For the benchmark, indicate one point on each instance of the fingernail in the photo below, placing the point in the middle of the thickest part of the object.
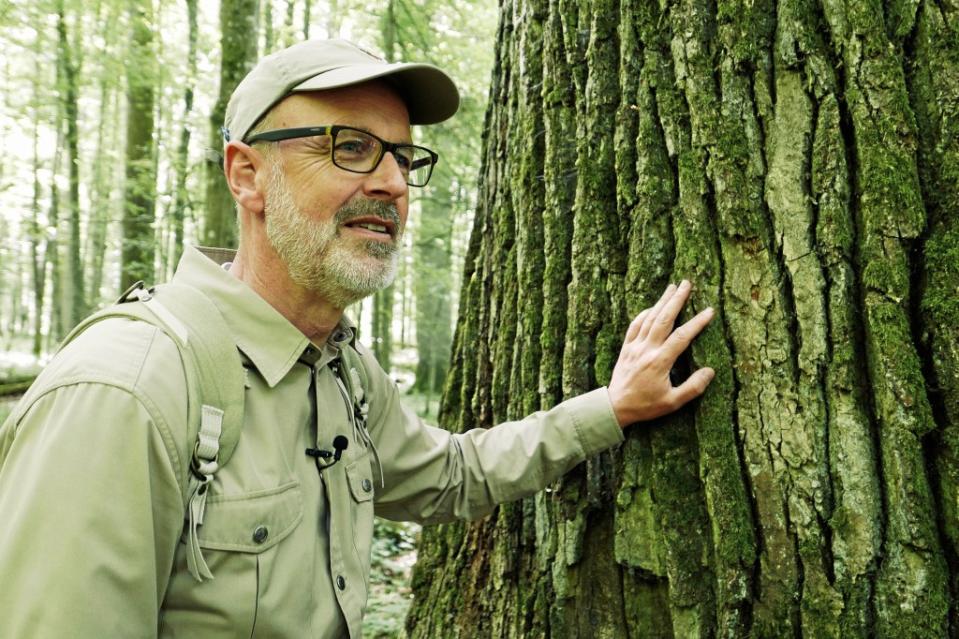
(684, 284)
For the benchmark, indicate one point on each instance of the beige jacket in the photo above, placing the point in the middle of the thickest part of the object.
(91, 510)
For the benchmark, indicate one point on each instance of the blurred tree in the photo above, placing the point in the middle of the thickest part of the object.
(269, 34)
(181, 196)
(36, 237)
(137, 254)
(238, 40)
(382, 327)
(102, 206)
(71, 301)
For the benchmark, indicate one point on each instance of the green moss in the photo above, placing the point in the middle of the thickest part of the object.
(647, 608)
(746, 29)
(637, 542)
(900, 18)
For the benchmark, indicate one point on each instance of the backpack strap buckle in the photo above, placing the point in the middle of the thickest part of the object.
(202, 468)
(136, 292)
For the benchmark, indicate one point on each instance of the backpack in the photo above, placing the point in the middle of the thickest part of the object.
(215, 378)
(216, 383)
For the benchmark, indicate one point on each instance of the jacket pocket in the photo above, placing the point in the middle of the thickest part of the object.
(251, 522)
(238, 539)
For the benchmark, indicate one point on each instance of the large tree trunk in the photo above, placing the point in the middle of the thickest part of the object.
(799, 162)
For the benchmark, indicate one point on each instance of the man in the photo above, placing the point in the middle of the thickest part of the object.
(319, 159)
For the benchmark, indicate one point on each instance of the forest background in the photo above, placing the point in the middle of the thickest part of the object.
(109, 124)
(797, 159)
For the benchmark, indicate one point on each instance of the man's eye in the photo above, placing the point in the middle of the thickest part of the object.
(353, 147)
(403, 160)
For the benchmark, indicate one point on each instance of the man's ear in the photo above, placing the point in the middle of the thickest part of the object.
(241, 163)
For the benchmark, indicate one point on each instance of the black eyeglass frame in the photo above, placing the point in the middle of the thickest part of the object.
(278, 135)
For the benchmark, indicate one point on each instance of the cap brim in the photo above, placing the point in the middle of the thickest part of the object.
(429, 94)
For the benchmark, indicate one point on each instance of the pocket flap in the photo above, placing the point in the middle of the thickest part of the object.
(251, 522)
(359, 474)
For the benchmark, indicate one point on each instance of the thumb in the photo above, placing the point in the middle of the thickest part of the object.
(694, 386)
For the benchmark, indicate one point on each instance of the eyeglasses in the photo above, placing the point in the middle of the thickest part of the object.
(360, 152)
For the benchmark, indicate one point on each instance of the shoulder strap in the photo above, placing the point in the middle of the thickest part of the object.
(356, 378)
(215, 381)
(221, 376)
(221, 380)
(211, 360)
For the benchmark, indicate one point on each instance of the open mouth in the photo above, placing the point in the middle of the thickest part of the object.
(373, 227)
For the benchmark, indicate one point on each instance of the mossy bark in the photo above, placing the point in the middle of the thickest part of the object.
(798, 161)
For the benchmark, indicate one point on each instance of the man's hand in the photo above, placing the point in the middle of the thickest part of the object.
(640, 388)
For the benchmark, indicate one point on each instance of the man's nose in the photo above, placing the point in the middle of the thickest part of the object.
(387, 179)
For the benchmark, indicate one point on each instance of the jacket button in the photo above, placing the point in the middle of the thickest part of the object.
(367, 485)
(340, 582)
(260, 534)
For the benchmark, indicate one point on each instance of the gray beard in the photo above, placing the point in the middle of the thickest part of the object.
(318, 258)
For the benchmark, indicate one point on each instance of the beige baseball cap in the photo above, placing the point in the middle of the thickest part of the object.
(315, 65)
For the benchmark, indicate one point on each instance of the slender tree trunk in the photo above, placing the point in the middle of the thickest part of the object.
(799, 162)
(137, 256)
(18, 313)
(9, 269)
(269, 34)
(383, 300)
(106, 165)
(51, 254)
(382, 327)
(106, 175)
(289, 36)
(72, 299)
(307, 6)
(432, 284)
(36, 236)
(238, 38)
(181, 196)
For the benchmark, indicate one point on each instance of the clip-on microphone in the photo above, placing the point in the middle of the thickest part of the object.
(340, 443)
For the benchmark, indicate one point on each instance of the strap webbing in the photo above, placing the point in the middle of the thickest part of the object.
(215, 380)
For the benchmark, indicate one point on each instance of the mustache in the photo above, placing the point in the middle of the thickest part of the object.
(365, 207)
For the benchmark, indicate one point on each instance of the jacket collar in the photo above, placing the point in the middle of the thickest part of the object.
(271, 343)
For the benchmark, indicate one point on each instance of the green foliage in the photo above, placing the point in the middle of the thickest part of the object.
(160, 186)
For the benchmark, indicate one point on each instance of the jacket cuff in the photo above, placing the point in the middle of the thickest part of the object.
(594, 421)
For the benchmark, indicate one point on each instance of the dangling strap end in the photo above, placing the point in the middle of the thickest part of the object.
(196, 564)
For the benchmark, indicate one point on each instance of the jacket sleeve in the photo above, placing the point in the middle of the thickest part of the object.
(432, 475)
(91, 513)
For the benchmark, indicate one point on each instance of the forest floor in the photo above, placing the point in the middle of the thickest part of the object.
(394, 553)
